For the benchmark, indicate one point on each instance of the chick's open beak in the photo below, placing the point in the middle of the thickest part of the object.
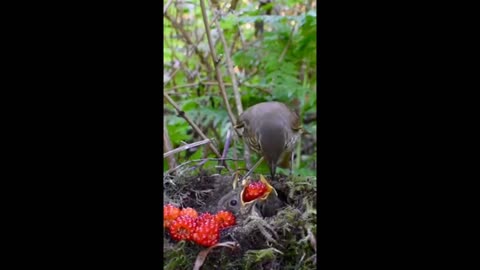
(269, 188)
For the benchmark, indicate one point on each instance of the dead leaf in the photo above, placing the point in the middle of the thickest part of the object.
(202, 255)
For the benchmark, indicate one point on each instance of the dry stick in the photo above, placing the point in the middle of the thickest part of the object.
(259, 87)
(201, 36)
(185, 147)
(199, 160)
(166, 6)
(167, 146)
(216, 63)
(233, 5)
(191, 123)
(228, 58)
(227, 145)
(181, 86)
(190, 42)
(236, 92)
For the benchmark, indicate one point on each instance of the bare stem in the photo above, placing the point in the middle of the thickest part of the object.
(198, 160)
(189, 41)
(167, 6)
(191, 123)
(228, 58)
(167, 146)
(216, 63)
(185, 147)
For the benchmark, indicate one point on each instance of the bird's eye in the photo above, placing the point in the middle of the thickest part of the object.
(233, 202)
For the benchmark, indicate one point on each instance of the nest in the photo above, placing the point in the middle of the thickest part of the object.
(284, 240)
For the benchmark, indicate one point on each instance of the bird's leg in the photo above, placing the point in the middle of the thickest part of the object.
(253, 168)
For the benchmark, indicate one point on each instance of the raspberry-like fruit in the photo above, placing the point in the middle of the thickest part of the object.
(204, 216)
(182, 228)
(254, 190)
(189, 212)
(170, 213)
(207, 232)
(225, 219)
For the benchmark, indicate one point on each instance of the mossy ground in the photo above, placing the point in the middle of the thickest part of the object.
(286, 241)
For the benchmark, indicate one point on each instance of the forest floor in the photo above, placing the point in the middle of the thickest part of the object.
(283, 237)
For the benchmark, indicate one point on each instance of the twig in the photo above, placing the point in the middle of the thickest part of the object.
(227, 146)
(228, 58)
(262, 88)
(259, 87)
(181, 86)
(185, 147)
(233, 5)
(215, 132)
(198, 160)
(194, 126)
(236, 92)
(167, 146)
(167, 6)
(190, 42)
(216, 64)
(249, 76)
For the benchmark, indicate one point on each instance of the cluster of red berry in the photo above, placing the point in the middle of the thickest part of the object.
(187, 224)
(254, 190)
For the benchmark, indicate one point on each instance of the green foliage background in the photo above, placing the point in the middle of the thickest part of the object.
(279, 66)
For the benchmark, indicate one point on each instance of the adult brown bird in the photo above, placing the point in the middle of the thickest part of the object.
(271, 129)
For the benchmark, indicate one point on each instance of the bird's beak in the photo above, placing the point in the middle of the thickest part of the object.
(263, 197)
(245, 184)
(273, 169)
(269, 188)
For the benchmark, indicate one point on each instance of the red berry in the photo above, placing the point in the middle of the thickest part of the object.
(189, 212)
(254, 190)
(170, 213)
(204, 216)
(207, 232)
(225, 219)
(182, 228)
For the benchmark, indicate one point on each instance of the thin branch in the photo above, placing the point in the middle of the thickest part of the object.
(194, 126)
(233, 5)
(259, 87)
(167, 146)
(190, 42)
(185, 147)
(228, 58)
(216, 63)
(199, 160)
(167, 6)
(181, 86)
